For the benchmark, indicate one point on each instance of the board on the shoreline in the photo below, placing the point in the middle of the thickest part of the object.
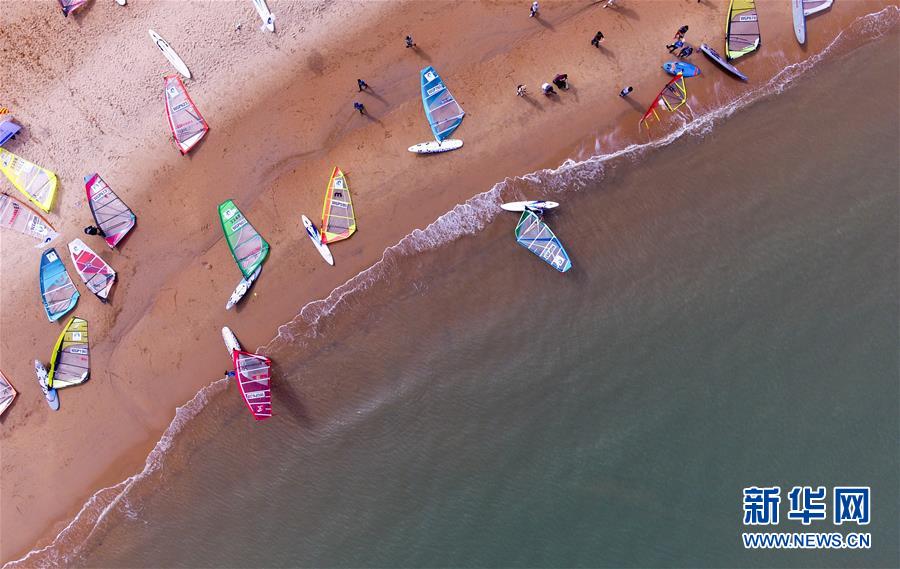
(188, 126)
(36, 183)
(70, 363)
(231, 341)
(7, 393)
(170, 54)
(435, 147)
(799, 20)
(50, 394)
(242, 288)
(529, 204)
(316, 239)
(17, 216)
(58, 292)
(96, 273)
(683, 67)
(263, 10)
(742, 29)
(714, 55)
(112, 216)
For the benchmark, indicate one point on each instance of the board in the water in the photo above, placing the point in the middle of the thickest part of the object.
(530, 204)
(435, 147)
(170, 54)
(316, 238)
(799, 20)
(264, 13)
(683, 67)
(231, 342)
(714, 55)
(242, 288)
(49, 393)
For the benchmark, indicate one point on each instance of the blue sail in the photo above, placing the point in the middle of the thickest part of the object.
(534, 235)
(58, 292)
(443, 112)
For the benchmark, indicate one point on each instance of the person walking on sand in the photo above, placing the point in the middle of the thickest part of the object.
(548, 89)
(598, 37)
(626, 91)
(360, 107)
(362, 85)
(520, 90)
(673, 46)
(409, 42)
(534, 9)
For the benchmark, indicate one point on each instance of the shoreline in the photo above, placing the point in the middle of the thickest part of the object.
(206, 287)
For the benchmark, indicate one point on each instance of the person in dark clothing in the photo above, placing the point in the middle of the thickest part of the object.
(409, 42)
(598, 37)
(681, 32)
(562, 81)
(92, 230)
(685, 52)
(626, 91)
(361, 84)
(548, 89)
(672, 47)
(360, 107)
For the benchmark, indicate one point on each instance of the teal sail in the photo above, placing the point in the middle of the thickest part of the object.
(534, 235)
(58, 292)
(443, 112)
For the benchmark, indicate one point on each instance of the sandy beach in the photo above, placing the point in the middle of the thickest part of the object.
(87, 90)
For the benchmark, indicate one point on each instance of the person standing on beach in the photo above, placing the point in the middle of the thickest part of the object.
(360, 107)
(548, 89)
(681, 32)
(92, 230)
(598, 37)
(520, 90)
(362, 85)
(626, 91)
(534, 9)
(561, 81)
(685, 52)
(409, 42)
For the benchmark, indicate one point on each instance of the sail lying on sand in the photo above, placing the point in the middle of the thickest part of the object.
(38, 184)
(534, 235)
(110, 213)
(252, 372)
(70, 363)
(7, 393)
(69, 5)
(443, 112)
(97, 275)
(188, 126)
(742, 29)
(19, 217)
(672, 97)
(58, 292)
(247, 246)
(338, 220)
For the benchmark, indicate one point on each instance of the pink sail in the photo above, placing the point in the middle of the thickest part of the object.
(252, 372)
(188, 126)
(96, 274)
(110, 213)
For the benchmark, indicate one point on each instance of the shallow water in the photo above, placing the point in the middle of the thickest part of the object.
(731, 320)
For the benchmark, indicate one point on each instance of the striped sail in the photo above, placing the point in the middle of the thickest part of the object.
(742, 30)
(70, 363)
(110, 213)
(188, 126)
(670, 98)
(97, 275)
(247, 246)
(534, 235)
(443, 112)
(36, 183)
(58, 292)
(7, 393)
(252, 372)
(338, 220)
(17, 216)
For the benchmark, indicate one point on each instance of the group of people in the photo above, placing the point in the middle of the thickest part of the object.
(678, 43)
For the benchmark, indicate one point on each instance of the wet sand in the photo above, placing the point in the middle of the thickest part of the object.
(88, 92)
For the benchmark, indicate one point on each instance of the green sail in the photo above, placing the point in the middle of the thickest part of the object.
(247, 246)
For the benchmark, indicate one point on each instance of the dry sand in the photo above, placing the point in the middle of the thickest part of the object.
(88, 91)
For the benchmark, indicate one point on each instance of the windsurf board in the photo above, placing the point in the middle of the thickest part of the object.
(434, 147)
(714, 55)
(231, 342)
(531, 204)
(316, 238)
(799, 20)
(242, 288)
(49, 393)
(170, 54)
(686, 69)
(264, 13)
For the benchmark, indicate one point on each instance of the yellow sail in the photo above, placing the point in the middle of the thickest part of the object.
(70, 362)
(38, 184)
(741, 29)
(338, 219)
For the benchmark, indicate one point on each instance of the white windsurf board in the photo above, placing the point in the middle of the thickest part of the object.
(531, 204)
(50, 394)
(242, 288)
(316, 238)
(264, 13)
(230, 340)
(170, 54)
(434, 147)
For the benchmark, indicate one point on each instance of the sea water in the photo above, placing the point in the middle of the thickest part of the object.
(731, 320)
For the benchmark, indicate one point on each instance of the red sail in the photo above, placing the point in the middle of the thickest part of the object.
(252, 372)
